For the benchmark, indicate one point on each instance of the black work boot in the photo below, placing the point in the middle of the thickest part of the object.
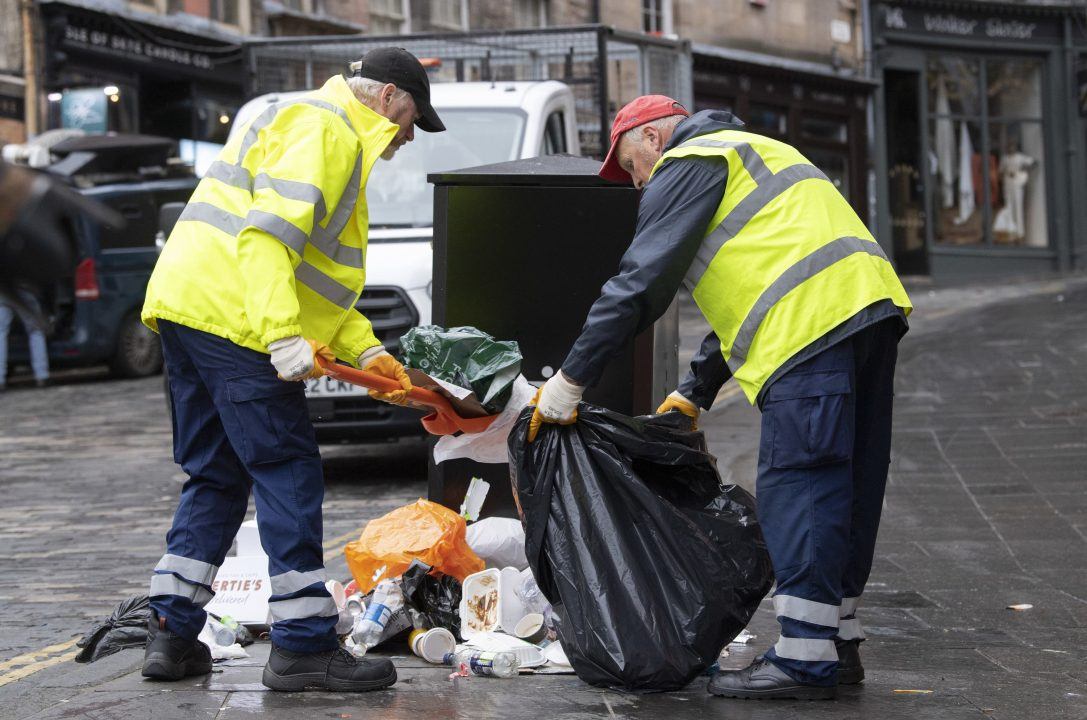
(327, 670)
(763, 680)
(169, 656)
(850, 670)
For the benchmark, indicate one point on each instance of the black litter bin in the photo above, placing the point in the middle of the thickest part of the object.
(521, 251)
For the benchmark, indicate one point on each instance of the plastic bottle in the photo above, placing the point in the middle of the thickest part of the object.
(485, 664)
(387, 600)
(224, 630)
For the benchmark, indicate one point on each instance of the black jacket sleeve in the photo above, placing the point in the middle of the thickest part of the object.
(676, 207)
(708, 373)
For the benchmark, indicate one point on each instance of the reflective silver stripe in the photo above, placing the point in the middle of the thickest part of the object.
(167, 584)
(739, 216)
(266, 117)
(280, 229)
(849, 606)
(788, 281)
(345, 208)
(218, 218)
(850, 630)
(806, 649)
(292, 581)
(303, 607)
(233, 175)
(753, 162)
(808, 611)
(325, 286)
(192, 570)
(294, 190)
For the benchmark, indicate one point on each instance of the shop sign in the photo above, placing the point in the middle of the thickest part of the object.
(76, 36)
(11, 107)
(84, 110)
(242, 589)
(946, 23)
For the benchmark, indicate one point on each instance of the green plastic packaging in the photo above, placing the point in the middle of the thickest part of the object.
(465, 356)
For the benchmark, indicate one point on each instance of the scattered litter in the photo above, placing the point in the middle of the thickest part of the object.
(425, 530)
(646, 605)
(434, 602)
(467, 357)
(384, 618)
(491, 601)
(528, 655)
(484, 663)
(499, 542)
(490, 445)
(1021, 607)
(474, 498)
(125, 627)
(531, 628)
(433, 645)
(897, 691)
(214, 634)
(1059, 652)
(743, 638)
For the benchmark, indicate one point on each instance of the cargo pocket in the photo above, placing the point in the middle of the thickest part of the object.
(272, 417)
(810, 419)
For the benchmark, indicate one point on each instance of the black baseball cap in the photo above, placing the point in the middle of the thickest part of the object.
(402, 69)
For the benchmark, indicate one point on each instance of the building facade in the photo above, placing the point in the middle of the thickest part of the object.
(980, 162)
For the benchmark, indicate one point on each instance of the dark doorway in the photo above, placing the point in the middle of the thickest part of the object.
(905, 172)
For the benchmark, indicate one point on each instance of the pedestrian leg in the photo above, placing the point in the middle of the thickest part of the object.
(6, 315)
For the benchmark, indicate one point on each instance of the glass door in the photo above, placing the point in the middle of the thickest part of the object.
(905, 172)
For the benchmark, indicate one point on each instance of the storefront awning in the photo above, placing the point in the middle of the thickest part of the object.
(788, 66)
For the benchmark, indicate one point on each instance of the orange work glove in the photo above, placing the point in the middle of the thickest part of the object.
(675, 401)
(379, 362)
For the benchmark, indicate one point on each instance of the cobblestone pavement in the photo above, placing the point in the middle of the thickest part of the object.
(986, 508)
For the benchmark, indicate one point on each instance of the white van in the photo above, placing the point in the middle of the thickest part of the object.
(486, 123)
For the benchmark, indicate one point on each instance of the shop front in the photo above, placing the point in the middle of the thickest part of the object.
(810, 106)
(106, 72)
(972, 173)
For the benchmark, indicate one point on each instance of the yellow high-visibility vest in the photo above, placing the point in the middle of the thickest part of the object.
(273, 241)
(785, 258)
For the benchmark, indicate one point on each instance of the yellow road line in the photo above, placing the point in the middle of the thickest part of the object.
(337, 543)
(29, 663)
(29, 657)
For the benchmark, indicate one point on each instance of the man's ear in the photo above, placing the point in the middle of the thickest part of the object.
(654, 136)
(387, 94)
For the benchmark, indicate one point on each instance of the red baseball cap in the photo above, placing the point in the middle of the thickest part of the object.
(639, 111)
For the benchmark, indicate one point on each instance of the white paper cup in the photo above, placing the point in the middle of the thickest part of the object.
(433, 645)
(335, 589)
(531, 628)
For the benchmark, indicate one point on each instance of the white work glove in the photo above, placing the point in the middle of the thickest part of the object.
(294, 357)
(556, 402)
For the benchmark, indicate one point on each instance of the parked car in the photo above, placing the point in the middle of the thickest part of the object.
(487, 123)
(95, 314)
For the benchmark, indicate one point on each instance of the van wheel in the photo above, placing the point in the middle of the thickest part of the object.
(139, 351)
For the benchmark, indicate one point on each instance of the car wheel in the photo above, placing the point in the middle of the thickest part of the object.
(139, 351)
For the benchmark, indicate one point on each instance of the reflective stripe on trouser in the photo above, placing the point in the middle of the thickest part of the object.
(183, 577)
(237, 427)
(820, 491)
(849, 627)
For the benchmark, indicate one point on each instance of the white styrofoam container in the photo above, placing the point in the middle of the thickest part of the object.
(491, 601)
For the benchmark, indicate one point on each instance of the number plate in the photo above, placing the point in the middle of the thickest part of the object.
(327, 387)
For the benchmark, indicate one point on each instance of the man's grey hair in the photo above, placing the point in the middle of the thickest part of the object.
(367, 90)
(662, 124)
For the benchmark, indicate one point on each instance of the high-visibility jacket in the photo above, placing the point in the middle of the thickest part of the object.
(273, 241)
(785, 258)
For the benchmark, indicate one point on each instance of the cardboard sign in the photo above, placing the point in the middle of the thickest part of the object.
(242, 589)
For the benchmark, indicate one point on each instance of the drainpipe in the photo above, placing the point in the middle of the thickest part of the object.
(30, 71)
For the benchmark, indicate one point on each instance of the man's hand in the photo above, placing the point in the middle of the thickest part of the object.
(556, 402)
(295, 358)
(378, 361)
(675, 401)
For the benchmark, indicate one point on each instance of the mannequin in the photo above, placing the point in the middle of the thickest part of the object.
(1015, 169)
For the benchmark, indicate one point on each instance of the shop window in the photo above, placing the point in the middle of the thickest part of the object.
(960, 186)
(824, 129)
(954, 86)
(768, 120)
(657, 17)
(987, 151)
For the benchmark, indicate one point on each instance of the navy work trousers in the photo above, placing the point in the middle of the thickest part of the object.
(238, 427)
(823, 461)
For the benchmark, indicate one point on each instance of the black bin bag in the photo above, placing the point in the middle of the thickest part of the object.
(651, 563)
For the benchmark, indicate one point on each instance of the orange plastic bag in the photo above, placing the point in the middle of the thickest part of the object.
(428, 531)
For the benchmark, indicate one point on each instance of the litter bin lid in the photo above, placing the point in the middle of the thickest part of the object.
(549, 171)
